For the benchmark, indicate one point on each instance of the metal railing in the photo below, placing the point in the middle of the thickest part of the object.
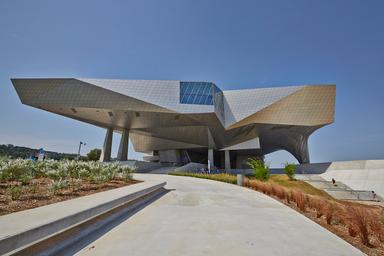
(360, 195)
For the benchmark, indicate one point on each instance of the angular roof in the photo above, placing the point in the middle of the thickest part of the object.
(157, 118)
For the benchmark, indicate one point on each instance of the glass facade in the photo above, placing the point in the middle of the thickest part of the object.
(201, 93)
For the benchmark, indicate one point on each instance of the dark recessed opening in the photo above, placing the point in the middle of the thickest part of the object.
(177, 117)
(137, 114)
(110, 114)
(73, 110)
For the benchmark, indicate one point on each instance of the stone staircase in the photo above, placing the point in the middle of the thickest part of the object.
(338, 190)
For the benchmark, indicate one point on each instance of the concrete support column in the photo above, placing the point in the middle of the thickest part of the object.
(227, 160)
(122, 154)
(210, 157)
(107, 147)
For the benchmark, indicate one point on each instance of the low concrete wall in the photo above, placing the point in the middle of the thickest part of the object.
(27, 227)
(140, 166)
(191, 167)
(316, 168)
(358, 164)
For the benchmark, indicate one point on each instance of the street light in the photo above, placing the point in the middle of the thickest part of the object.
(78, 153)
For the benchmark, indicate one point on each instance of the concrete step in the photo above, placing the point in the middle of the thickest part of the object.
(338, 190)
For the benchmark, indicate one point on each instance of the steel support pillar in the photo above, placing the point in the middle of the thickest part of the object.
(210, 158)
(122, 154)
(107, 147)
(227, 160)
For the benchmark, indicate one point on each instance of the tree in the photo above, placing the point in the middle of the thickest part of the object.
(260, 168)
(290, 170)
(94, 154)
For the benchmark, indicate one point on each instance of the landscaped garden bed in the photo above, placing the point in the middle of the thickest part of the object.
(26, 184)
(359, 224)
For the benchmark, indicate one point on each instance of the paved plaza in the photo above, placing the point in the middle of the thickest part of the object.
(203, 217)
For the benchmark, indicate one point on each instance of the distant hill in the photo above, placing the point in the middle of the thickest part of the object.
(24, 152)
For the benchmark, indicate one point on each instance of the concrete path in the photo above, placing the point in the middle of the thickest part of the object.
(202, 217)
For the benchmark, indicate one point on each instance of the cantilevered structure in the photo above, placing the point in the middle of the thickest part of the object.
(180, 122)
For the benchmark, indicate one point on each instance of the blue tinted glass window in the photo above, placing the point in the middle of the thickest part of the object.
(201, 93)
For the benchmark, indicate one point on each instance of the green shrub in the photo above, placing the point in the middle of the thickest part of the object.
(290, 170)
(126, 173)
(75, 184)
(24, 170)
(94, 154)
(14, 170)
(59, 185)
(260, 168)
(25, 179)
(33, 188)
(14, 192)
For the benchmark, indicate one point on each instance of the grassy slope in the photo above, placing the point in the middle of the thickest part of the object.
(304, 187)
(228, 178)
(280, 179)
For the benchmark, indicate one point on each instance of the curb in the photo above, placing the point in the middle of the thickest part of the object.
(21, 240)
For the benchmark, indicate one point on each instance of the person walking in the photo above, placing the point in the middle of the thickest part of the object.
(373, 195)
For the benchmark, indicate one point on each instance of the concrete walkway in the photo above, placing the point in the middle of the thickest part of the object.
(202, 217)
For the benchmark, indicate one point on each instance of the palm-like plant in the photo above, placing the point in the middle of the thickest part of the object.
(260, 168)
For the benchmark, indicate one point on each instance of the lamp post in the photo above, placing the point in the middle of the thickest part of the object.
(78, 153)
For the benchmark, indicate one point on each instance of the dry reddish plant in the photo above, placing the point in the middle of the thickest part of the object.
(318, 204)
(257, 186)
(311, 201)
(247, 182)
(268, 189)
(360, 219)
(278, 191)
(282, 193)
(377, 229)
(260, 187)
(340, 215)
(289, 196)
(352, 231)
(274, 189)
(299, 199)
(329, 210)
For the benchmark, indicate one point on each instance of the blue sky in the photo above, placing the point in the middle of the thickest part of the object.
(236, 44)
